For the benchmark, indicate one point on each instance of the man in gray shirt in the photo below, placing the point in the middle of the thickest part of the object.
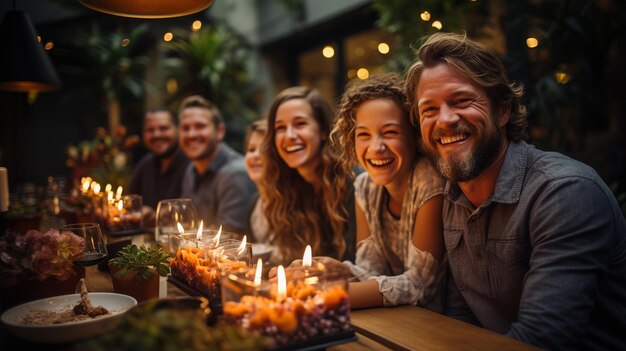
(536, 242)
(216, 180)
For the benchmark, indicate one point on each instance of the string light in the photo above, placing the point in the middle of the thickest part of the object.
(383, 48)
(49, 45)
(532, 42)
(425, 16)
(125, 42)
(196, 25)
(437, 25)
(168, 36)
(362, 73)
(328, 51)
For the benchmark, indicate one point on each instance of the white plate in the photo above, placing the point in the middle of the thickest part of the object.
(260, 250)
(117, 304)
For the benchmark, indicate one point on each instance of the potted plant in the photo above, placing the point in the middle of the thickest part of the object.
(135, 271)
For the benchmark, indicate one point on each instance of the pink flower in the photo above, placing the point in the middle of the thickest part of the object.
(44, 254)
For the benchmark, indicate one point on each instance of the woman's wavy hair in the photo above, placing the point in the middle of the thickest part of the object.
(382, 86)
(479, 64)
(298, 216)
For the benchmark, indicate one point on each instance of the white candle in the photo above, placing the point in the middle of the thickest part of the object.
(4, 190)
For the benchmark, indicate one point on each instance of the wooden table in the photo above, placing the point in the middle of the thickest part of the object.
(415, 328)
(392, 328)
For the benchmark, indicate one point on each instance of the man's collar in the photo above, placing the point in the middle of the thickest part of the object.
(508, 187)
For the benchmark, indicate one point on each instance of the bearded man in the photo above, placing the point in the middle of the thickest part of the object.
(536, 242)
(159, 174)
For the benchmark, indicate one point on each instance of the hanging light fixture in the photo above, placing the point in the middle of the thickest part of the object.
(148, 8)
(24, 65)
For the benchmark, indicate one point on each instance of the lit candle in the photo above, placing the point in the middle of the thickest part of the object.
(281, 293)
(118, 193)
(199, 235)
(307, 259)
(216, 240)
(95, 187)
(259, 271)
(108, 188)
(242, 246)
(85, 182)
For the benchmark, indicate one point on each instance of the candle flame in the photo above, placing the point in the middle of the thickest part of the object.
(86, 183)
(199, 235)
(259, 271)
(110, 196)
(242, 246)
(307, 259)
(181, 230)
(120, 205)
(108, 188)
(96, 188)
(118, 193)
(216, 240)
(281, 293)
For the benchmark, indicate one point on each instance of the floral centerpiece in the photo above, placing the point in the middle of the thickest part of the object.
(104, 158)
(39, 254)
(37, 265)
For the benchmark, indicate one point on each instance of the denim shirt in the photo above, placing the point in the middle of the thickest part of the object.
(543, 260)
(222, 193)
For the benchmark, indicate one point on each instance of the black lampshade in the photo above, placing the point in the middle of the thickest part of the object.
(24, 65)
(148, 8)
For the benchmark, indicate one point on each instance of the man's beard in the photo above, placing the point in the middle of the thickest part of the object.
(457, 168)
(209, 152)
(167, 153)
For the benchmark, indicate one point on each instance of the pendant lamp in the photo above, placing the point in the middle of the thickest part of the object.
(24, 65)
(148, 8)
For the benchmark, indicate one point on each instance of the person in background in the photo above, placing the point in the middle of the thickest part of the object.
(309, 199)
(536, 242)
(216, 180)
(400, 253)
(254, 166)
(159, 174)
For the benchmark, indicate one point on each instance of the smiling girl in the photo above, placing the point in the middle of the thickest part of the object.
(310, 199)
(399, 258)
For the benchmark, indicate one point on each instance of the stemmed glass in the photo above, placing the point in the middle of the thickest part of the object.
(170, 212)
(95, 245)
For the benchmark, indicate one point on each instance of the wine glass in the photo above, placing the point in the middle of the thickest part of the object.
(95, 246)
(169, 213)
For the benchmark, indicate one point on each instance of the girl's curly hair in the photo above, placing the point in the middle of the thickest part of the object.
(383, 86)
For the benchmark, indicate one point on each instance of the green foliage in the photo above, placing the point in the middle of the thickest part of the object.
(212, 62)
(147, 328)
(117, 68)
(140, 260)
(402, 19)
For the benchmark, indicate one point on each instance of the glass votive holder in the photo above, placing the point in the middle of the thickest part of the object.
(124, 215)
(200, 265)
(304, 310)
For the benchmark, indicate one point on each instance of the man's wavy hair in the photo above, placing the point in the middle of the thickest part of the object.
(479, 64)
(298, 216)
(199, 101)
(382, 86)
